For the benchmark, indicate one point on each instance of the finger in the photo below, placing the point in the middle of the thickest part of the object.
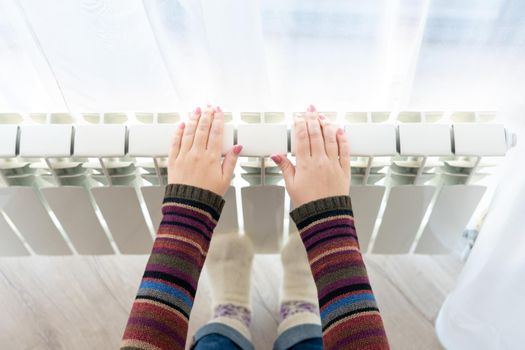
(330, 139)
(175, 143)
(216, 132)
(203, 129)
(302, 142)
(189, 131)
(344, 150)
(286, 167)
(315, 134)
(228, 164)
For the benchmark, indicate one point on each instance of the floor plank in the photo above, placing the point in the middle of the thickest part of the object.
(83, 302)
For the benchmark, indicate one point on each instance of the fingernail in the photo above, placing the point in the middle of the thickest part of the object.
(218, 109)
(276, 158)
(197, 110)
(182, 125)
(237, 149)
(311, 108)
(322, 117)
(340, 131)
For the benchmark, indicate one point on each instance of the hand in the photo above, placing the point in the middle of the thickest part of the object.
(195, 154)
(322, 157)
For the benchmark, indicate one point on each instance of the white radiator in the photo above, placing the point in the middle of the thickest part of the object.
(81, 188)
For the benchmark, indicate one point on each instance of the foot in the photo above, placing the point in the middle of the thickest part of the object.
(299, 303)
(228, 268)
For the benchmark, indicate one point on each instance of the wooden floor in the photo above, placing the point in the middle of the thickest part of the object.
(83, 302)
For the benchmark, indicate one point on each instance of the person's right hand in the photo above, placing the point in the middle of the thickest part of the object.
(195, 154)
(322, 157)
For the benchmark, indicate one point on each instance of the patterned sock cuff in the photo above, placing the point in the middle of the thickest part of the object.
(237, 312)
(297, 313)
(290, 308)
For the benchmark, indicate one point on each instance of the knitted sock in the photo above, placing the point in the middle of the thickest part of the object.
(229, 264)
(299, 303)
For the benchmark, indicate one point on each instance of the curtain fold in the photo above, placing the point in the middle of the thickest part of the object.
(486, 310)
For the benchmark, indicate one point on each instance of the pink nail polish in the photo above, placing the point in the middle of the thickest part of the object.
(340, 131)
(218, 109)
(198, 110)
(276, 158)
(237, 149)
(322, 117)
(182, 125)
(311, 108)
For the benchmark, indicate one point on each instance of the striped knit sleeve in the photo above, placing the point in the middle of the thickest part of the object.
(159, 316)
(349, 313)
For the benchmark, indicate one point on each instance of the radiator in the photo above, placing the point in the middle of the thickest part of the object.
(93, 184)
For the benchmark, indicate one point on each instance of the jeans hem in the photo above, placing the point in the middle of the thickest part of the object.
(224, 330)
(297, 334)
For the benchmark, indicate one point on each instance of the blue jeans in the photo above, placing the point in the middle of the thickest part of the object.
(215, 336)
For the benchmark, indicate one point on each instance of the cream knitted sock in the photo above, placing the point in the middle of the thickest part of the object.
(229, 264)
(299, 303)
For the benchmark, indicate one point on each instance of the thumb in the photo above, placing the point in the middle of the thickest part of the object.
(286, 167)
(230, 160)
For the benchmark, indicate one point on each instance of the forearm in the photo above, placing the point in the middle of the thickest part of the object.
(349, 313)
(160, 313)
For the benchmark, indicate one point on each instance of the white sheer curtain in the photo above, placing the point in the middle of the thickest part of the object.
(486, 310)
(112, 55)
(169, 55)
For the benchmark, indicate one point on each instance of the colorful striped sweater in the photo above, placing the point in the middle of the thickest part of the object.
(160, 313)
(159, 316)
(349, 313)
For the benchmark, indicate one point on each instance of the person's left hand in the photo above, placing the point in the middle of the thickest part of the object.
(322, 155)
(195, 154)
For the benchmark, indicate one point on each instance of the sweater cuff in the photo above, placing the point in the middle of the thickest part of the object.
(199, 195)
(320, 208)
